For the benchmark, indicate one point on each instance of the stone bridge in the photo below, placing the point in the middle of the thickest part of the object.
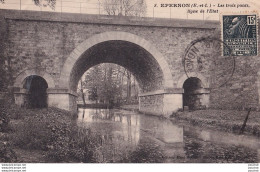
(59, 48)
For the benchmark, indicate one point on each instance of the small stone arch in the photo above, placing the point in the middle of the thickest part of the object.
(196, 91)
(184, 77)
(109, 36)
(21, 77)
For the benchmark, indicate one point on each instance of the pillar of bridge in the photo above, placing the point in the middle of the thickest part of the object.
(161, 102)
(62, 98)
(20, 96)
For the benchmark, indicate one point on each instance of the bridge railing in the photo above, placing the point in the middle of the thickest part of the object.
(84, 7)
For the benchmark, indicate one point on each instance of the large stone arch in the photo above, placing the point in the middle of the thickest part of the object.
(130, 51)
(110, 36)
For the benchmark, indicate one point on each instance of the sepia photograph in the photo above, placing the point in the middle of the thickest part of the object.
(129, 82)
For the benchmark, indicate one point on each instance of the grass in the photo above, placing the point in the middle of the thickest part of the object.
(52, 135)
(225, 120)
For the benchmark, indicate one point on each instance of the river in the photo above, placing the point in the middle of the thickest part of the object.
(132, 137)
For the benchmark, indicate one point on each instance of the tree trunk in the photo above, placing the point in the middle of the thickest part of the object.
(128, 86)
(82, 93)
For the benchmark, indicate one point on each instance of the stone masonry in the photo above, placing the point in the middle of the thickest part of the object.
(61, 47)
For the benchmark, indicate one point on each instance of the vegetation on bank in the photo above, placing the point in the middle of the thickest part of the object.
(225, 120)
(52, 135)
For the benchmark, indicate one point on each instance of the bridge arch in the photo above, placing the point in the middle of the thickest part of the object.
(19, 81)
(31, 88)
(72, 69)
(139, 56)
(196, 91)
(184, 77)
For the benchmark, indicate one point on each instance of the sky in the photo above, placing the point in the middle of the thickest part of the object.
(92, 7)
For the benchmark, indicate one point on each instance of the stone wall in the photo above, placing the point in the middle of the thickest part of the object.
(152, 104)
(45, 40)
(34, 42)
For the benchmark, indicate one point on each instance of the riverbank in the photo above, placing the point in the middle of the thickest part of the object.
(44, 136)
(224, 120)
(52, 135)
(134, 107)
(33, 135)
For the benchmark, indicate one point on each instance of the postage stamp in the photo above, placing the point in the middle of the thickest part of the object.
(239, 32)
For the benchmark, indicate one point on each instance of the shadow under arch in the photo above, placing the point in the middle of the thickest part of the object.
(26, 97)
(196, 92)
(29, 72)
(184, 77)
(125, 49)
(36, 87)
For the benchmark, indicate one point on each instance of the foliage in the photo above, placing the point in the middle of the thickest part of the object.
(4, 119)
(103, 83)
(208, 152)
(3, 72)
(53, 130)
(147, 153)
(6, 152)
(226, 120)
(125, 7)
(7, 155)
(45, 3)
(93, 82)
(37, 128)
(109, 83)
(4, 116)
(83, 145)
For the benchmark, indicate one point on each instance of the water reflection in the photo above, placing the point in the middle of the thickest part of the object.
(125, 131)
(111, 124)
(130, 137)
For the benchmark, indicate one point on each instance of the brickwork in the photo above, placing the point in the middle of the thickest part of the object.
(152, 104)
(64, 47)
(49, 43)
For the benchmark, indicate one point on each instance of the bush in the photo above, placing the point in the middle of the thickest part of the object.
(32, 133)
(147, 153)
(76, 144)
(4, 118)
(7, 155)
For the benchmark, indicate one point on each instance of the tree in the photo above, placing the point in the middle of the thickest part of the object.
(44, 3)
(125, 7)
(4, 75)
(129, 86)
(108, 83)
(92, 82)
(82, 92)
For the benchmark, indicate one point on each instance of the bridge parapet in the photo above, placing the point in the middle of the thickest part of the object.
(105, 19)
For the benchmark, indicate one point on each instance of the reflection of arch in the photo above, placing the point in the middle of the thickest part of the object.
(113, 36)
(183, 78)
(21, 77)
